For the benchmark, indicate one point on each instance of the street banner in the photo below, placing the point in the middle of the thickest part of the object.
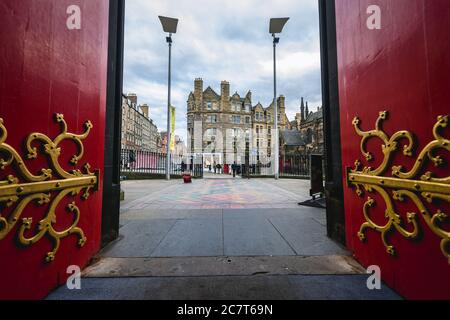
(172, 128)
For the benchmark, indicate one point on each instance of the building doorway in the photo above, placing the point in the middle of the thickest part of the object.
(255, 195)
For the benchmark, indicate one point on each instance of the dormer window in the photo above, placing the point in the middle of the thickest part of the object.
(209, 105)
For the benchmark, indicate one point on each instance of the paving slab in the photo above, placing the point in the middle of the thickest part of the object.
(139, 238)
(274, 212)
(246, 236)
(171, 214)
(192, 237)
(306, 236)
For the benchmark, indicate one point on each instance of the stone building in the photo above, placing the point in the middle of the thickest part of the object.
(138, 130)
(179, 145)
(224, 127)
(310, 125)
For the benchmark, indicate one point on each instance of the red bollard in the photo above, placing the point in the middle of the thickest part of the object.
(187, 178)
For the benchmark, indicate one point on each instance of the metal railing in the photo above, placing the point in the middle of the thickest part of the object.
(295, 166)
(290, 166)
(147, 163)
(141, 164)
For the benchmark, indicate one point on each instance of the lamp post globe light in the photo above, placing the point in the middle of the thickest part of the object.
(170, 26)
(276, 26)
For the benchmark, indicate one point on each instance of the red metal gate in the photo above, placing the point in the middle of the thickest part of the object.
(52, 106)
(394, 100)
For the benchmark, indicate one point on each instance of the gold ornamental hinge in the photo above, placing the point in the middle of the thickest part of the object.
(46, 188)
(417, 186)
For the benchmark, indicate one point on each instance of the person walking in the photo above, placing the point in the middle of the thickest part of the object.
(234, 168)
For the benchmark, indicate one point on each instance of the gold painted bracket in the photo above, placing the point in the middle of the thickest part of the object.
(418, 186)
(17, 193)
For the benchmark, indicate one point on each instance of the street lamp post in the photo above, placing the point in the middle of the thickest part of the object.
(170, 26)
(276, 26)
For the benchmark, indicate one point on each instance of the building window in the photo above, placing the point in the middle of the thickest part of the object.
(247, 120)
(247, 108)
(209, 105)
(259, 116)
(212, 119)
(236, 119)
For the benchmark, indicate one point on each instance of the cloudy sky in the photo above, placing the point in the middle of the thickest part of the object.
(221, 40)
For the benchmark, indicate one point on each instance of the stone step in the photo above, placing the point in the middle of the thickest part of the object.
(223, 266)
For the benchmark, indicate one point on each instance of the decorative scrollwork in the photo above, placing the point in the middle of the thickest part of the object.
(17, 193)
(412, 184)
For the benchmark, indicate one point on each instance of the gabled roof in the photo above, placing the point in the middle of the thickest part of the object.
(236, 97)
(211, 91)
(314, 116)
(258, 105)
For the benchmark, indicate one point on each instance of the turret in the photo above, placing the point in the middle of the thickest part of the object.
(302, 111)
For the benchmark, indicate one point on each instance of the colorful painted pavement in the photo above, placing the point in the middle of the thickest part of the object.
(225, 194)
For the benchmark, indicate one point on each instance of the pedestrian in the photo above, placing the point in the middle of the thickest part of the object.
(215, 167)
(234, 167)
(183, 167)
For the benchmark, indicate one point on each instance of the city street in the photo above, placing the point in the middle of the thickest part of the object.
(218, 238)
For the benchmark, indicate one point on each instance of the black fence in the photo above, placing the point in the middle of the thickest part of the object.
(295, 166)
(145, 164)
(138, 163)
(289, 166)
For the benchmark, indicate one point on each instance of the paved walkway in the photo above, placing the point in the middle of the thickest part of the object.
(222, 238)
(216, 193)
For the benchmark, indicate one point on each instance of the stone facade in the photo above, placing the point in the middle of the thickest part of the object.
(310, 125)
(179, 145)
(226, 126)
(138, 130)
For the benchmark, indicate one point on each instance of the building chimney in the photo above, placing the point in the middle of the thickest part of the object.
(225, 94)
(133, 98)
(281, 102)
(198, 92)
(145, 110)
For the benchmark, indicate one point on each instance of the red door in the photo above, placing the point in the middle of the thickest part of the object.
(53, 61)
(395, 101)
